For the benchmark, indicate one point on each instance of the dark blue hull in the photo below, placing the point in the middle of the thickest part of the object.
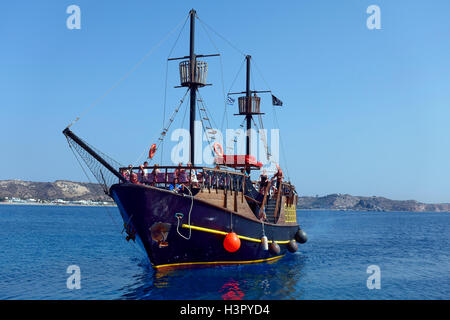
(142, 207)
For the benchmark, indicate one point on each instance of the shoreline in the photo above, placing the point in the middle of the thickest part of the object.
(57, 204)
(352, 210)
(114, 205)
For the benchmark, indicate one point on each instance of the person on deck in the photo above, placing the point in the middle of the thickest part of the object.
(156, 169)
(143, 172)
(193, 172)
(175, 186)
(125, 174)
(179, 171)
(263, 182)
(129, 171)
(279, 178)
(155, 173)
(133, 176)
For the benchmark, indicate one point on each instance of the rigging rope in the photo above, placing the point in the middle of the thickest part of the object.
(266, 147)
(208, 114)
(182, 123)
(237, 74)
(165, 129)
(281, 143)
(235, 138)
(165, 88)
(164, 109)
(126, 75)
(231, 87)
(184, 116)
(76, 157)
(225, 115)
(222, 37)
(189, 218)
(260, 74)
(275, 120)
(204, 129)
(90, 181)
(231, 220)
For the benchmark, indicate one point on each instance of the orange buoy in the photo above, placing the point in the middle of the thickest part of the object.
(231, 243)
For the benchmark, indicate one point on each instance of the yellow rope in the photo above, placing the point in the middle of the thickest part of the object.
(225, 233)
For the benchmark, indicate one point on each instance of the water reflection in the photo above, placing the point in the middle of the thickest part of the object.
(275, 280)
(231, 291)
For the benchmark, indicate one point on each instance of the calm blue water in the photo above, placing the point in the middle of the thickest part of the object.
(38, 243)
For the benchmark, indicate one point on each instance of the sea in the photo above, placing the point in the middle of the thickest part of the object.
(349, 255)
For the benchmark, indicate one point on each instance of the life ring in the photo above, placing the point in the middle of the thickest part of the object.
(218, 149)
(152, 151)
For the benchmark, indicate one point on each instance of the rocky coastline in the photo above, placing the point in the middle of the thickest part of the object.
(63, 192)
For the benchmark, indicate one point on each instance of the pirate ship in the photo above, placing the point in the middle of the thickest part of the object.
(185, 216)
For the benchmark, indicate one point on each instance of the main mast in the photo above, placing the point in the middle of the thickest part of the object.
(193, 86)
(248, 98)
(193, 75)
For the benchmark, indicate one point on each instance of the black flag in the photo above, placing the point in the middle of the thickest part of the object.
(276, 101)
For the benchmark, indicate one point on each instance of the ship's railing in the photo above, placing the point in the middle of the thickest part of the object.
(269, 191)
(192, 176)
(287, 187)
(201, 178)
(211, 178)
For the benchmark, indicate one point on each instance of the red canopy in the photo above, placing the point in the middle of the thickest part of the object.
(237, 161)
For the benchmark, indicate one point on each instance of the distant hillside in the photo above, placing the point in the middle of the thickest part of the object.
(60, 189)
(72, 191)
(348, 202)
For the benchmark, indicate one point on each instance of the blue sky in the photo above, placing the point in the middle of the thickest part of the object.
(366, 112)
